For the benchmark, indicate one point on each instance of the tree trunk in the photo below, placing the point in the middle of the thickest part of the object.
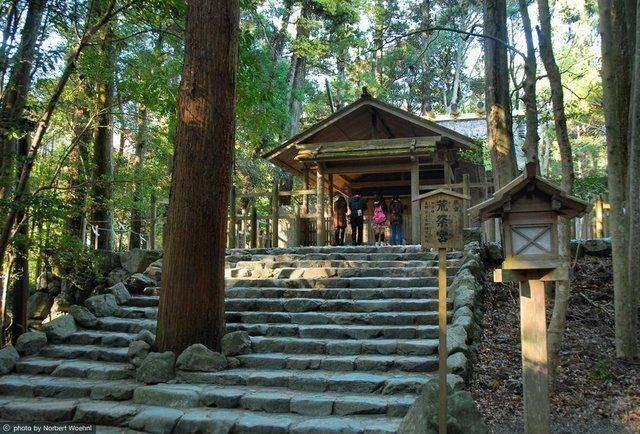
(136, 210)
(529, 88)
(634, 197)
(298, 72)
(616, 21)
(192, 297)
(14, 101)
(102, 214)
(499, 122)
(281, 36)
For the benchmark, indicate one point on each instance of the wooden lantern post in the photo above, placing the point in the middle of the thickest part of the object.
(441, 223)
(529, 207)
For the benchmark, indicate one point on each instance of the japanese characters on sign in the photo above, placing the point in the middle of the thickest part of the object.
(442, 221)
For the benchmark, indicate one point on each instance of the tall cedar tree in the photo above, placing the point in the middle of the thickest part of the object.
(192, 296)
(499, 122)
(618, 33)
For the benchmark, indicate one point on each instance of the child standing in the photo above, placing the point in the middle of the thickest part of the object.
(379, 219)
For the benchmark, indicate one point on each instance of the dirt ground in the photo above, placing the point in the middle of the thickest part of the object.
(595, 392)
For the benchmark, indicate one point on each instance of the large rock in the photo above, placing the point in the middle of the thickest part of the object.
(236, 343)
(462, 415)
(83, 316)
(456, 339)
(48, 282)
(157, 368)
(197, 357)
(117, 275)
(31, 343)
(102, 304)
(137, 260)
(472, 234)
(60, 328)
(597, 247)
(154, 271)
(464, 296)
(138, 282)
(39, 305)
(138, 351)
(493, 253)
(8, 358)
(120, 292)
(146, 336)
(106, 260)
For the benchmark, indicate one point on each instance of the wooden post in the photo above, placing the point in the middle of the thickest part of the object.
(415, 205)
(320, 232)
(152, 224)
(599, 213)
(535, 372)
(275, 215)
(466, 202)
(442, 336)
(232, 219)
(254, 226)
(305, 197)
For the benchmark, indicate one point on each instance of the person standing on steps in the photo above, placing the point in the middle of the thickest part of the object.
(379, 219)
(357, 207)
(339, 220)
(396, 208)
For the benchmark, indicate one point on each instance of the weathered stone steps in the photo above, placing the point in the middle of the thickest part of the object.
(337, 282)
(331, 293)
(337, 263)
(61, 367)
(384, 383)
(66, 387)
(296, 273)
(332, 331)
(179, 421)
(408, 347)
(296, 305)
(373, 363)
(91, 352)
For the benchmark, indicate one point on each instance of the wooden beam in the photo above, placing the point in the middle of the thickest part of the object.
(320, 232)
(415, 205)
(370, 168)
(371, 144)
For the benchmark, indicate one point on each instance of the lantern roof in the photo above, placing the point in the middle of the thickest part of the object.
(529, 182)
(442, 191)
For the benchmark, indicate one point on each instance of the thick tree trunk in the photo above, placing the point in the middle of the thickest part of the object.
(136, 210)
(278, 42)
(14, 101)
(499, 122)
(298, 71)
(192, 297)
(634, 194)
(617, 18)
(102, 214)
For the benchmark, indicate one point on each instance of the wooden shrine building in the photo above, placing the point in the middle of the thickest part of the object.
(371, 146)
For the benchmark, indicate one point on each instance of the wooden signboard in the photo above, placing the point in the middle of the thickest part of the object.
(441, 219)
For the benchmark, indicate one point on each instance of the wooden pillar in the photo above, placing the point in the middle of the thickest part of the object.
(254, 226)
(320, 230)
(305, 197)
(535, 371)
(466, 190)
(442, 340)
(152, 224)
(415, 205)
(232, 219)
(599, 217)
(275, 215)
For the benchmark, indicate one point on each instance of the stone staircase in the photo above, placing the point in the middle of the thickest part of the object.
(343, 340)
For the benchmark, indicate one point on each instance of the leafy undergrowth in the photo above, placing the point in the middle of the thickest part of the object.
(595, 392)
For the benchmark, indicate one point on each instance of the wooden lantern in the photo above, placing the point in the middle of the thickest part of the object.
(529, 207)
(441, 219)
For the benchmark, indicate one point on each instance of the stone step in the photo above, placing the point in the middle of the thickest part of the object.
(61, 367)
(100, 337)
(338, 282)
(409, 248)
(365, 363)
(91, 352)
(344, 347)
(128, 415)
(384, 383)
(66, 387)
(333, 331)
(295, 305)
(328, 272)
(332, 293)
(378, 256)
(335, 263)
(252, 397)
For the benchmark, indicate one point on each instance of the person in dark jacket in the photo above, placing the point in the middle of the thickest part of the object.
(357, 207)
(339, 220)
(396, 209)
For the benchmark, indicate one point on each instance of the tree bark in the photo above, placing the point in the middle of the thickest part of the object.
(102, 214)
(135, 238)
(298, 71)
(529, 89)
(278, 42)
(499, 122)
(192, 297)
(617, 18)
